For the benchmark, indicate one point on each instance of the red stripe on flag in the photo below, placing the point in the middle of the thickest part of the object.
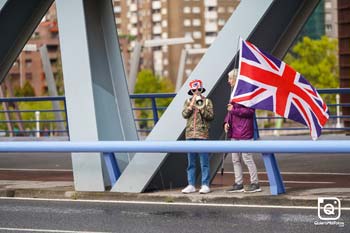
(248, 97)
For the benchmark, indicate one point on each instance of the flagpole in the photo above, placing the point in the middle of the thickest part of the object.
(231, 88)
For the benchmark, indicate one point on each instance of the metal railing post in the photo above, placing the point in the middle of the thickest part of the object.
(154, 110)
(338, 125)
(37, 119)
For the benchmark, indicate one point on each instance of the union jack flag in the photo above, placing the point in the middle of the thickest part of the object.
(264, 82)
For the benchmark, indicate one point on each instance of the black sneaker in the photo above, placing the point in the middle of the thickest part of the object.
(253, 188)
(237, 188)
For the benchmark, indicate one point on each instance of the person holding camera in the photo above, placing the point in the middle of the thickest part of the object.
(239, 125)
(198, 111)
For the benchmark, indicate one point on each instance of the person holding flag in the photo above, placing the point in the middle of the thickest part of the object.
(264, 82)
(239, 125)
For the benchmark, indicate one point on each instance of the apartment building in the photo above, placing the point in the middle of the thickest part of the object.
(28, 66)
(141, 20)
(331, 18)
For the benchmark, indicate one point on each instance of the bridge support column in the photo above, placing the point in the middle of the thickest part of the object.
(98, 103)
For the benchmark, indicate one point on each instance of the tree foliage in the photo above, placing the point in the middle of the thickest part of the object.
(27, 90)
(147, 82)
(317, 61)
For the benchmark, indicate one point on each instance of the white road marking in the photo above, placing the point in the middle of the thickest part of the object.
(46, 230)
(35, 170)
(299, 173)
(301, 182)
(165, 203)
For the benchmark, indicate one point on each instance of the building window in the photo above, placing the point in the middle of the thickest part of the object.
(328, 17)
(197, 35)
(221, 9)
(221, 22)
(188, 72)
(197, 46)
(187, 10)
(196, 10)
(164, 11)
(164, 35)
(187, 23)
(328, 27)
(29, 76)
(29, 63)
(328, 5)
(196, 22)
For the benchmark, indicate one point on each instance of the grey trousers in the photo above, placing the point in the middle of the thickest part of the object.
(237, 167)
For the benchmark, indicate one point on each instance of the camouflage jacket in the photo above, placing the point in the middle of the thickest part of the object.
(197, 125)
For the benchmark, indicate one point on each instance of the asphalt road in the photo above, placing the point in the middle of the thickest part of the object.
(35, 161)
(54, 216)
(330, 163)
(298, 170)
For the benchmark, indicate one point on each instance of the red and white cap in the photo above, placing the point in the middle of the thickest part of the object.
(196, 84)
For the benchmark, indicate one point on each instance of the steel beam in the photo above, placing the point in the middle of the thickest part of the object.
(18, 20)
(98, 103)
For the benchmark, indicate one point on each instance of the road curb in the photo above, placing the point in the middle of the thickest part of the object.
(175, 197)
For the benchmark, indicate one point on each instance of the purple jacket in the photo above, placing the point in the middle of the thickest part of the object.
(241, 122)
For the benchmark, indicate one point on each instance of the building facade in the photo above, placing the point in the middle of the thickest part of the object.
(28, 66)
(344, 51)
(141, 20)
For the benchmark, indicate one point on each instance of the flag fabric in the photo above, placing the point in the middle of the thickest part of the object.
(265, 82)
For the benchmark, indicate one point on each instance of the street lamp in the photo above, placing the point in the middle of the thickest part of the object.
(135, 57)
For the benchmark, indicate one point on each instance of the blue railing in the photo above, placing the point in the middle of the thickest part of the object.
(153, 107)
(152, 110)
(267, 148)
(263, 146)
(37, 124)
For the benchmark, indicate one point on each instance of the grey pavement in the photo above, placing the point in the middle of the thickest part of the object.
(75, 216)
(219, 195)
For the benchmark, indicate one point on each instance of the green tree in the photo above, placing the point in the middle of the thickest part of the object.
(59, 75)
(147, 82)
(27, 90)
(317, 61)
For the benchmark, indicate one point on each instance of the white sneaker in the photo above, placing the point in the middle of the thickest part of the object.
(204, 189)
(189, 189)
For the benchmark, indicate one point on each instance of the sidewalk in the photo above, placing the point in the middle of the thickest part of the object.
(64, 190)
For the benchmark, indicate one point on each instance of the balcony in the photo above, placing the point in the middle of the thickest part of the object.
(156, 17)
(209, 40)
(133, 7)
(133, 19)
(133, 32)
(157, 29)
(156, 5)
(211, 15)
(211, 3)
(117, 9)
(211, 27)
